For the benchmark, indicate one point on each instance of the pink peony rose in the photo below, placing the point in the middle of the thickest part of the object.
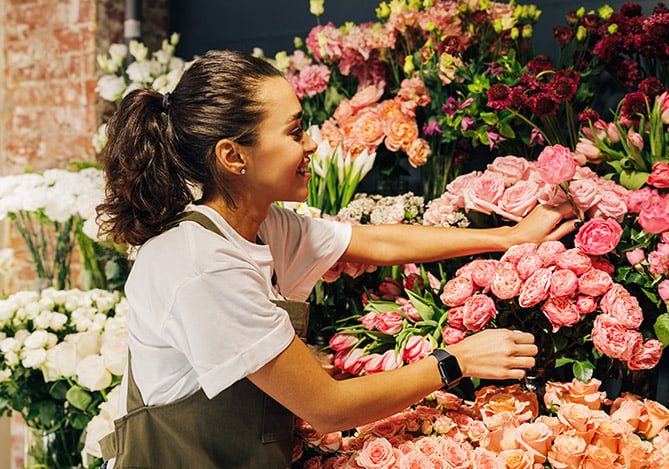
(549, 250)
(586, 304)
(646, 356)
(585, 193)
(535, 289)
(627, 311)
(477, 311)
(520, 198)
(527, 265)
(574, 259)
(560, 312)
(456, 291)
(563, 283)
(612, 339)
(603, 264)
(481, 271)
(456, 317)
(506, 282)
(616, 291)
(598, 236)
(663, 289)
(637, 200)
(654, 216)
(517, 252)
(556, 164)
(376, 453)
(660, 175)
(594, 282)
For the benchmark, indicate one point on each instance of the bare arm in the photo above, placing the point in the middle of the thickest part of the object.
(296, 380)
(401, 244)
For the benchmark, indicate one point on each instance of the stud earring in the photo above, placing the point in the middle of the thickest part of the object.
(243, 171)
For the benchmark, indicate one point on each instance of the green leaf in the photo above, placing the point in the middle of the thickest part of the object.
(46, 411)
(633, 179)
(583, 370)
(78, 397)
(79, 420)
(505, 130)
(561, 361)
(661, 328)
(59, 390)
(425, 311)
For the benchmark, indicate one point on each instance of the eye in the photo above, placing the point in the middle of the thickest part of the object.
(297, 133)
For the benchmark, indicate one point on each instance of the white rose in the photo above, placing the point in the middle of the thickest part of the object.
(33, 358)
(42, 321)
(115, 354)
(114, 326)
(37, 339)
(63, 358)
(98, 427)
(83, 324)
(10, 344)
(6, 311)
(111, 87)
(49, 369)
(51, 340)
(100, 319)
(92, 373)
(31, 311)
(122, 307)
(87, 343)
(112, 406)
(57, 321)
(21, 336)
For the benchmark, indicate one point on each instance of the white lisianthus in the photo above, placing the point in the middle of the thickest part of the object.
(138, 50)
(7, 311)
(111, 87)
(37, 339)
(33, 358)
(140, 72)
(92, 373)
(10, 344)
(118, 53)
(57, 321)
(43, 320)
(11, 359)
(5, 374)
(122, 308)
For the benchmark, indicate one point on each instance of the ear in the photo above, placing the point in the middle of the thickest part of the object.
(228, 156)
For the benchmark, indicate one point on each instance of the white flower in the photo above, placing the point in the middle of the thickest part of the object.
(118, 53)
(31, 358)
(87, 343)
(138, 50)
(122, 307)
(100, 138)
(5, 374)
(115, 354)
(43, 320)
(57, 321)
(7, 262)
(92, 373)
(10, 344)
(11, 359)
(111, 87)
(63, 358)
(97, 428)
(6, 312)
(140, 72)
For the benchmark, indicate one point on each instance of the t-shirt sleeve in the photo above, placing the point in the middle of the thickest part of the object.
(225, 325)
(303, 248)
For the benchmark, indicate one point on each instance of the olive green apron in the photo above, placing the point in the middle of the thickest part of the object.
(242, 427)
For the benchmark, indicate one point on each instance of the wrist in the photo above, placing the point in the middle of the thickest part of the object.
(448, 367)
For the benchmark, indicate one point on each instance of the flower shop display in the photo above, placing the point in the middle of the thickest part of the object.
(575, 426)
(61, 352)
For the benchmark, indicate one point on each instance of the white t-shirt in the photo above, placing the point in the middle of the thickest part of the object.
(200, 311)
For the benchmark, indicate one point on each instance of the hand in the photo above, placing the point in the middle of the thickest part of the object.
(543, 224)
(495, 354)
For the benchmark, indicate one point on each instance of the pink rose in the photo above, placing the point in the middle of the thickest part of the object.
(663, 290)
(616, 291)
(646, 356)
(506, 282)
(484, 459)
(594, 282)
(517, 252)
(654, 217)
(366, 97)
(660, 175)
(535, 439)
(484, 192)
(627, 311)
(586, 304)
(637, 200)
(635, 256)
(556, 164)
(451, 335)
(567, 451)
(477, 311)
(535, 289)
(376, 453)
(415, 348)
(343, 342)
(415, 460)
(560, 312)
(456, 291)
(455, 454)
(574, 259)
(612, 339)
(585, 193)
(481, 271)
(527, 265)
(549, 250)
(563, 283)
(603, 264)
(389, 322)
(611, 205)
(658, 263)
(456, 317)
(520, 198)
(513, 168)
(598, 236)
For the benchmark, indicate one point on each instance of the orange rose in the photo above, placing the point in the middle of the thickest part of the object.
(535, 438)
(580, 419)
(515, 459)
(599, 458)
(523, 405)
(368, 126)
(609, 433)
(576, 392)
(343, 111)
(502, 432)
(627, 408)
(551, 422)
(567, 451)
(366, 97)
(354, 146)
(634, 452)
(418, 152)
(400, 133)
(654, 418)
(389, 110)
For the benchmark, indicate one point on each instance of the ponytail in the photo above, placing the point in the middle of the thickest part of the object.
(159, 147)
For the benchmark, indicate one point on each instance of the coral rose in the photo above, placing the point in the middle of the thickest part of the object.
(400, 133)
(598, 236)
(456, 291)
(535, 438)
(567, 451)
(575, 392)
(654, 216)
(563, 283)
(506, 282)
(574, 259)
(595, 282)
(556, 164)
(477, 311)
(561, 312)
(535, 289)
(647, 356)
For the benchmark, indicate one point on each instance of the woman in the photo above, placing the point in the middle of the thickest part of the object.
(214, 359)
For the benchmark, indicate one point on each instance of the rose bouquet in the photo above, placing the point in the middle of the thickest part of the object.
(504, 427)
(61, 351)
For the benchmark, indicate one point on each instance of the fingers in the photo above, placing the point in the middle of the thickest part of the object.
(562, 230)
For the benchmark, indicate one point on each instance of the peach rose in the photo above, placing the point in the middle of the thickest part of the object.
(574, 259)
(627, 408)
(491, 400)
(634, 452)
(654, 418)
(575, 392)
(580, 419)
(512, 168)
(594, 282)
(376, 453)
(456, 291)
(563, 283)
(418, 152)
(599, 458)
(331, 442)
(366, 97)
(535, 438)
(568, 451)
(556, 164)
(535, 289)
(484, 459)
(609, 433)
(515, 459)
(369, 127)
(506, 282)
(501, 432)
(561, 312)
(389, 109)
(400, 133)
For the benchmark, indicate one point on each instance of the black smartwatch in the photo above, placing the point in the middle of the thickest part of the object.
(450, 371)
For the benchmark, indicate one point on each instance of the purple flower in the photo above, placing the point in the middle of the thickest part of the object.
(536, 136)
(432, 128)
(466, 123)
(493, 138)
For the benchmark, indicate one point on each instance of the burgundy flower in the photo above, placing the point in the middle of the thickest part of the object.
(588, 117)
(572, 18)
(635, 105)
(563, 88)
(657, 27)
(518, 99)
(652, 87)
(478, 17)
(648, 46)
(452, 45)
(591, 22)
(608, 47)
(627, 71)
(542, 104)
(631, 9)
(529, 79)
(540, 63)
(563, 35)
(499, 96)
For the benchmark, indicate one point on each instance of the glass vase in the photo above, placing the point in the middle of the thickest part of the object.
(53, 449)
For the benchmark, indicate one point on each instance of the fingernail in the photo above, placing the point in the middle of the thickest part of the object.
(578, 223)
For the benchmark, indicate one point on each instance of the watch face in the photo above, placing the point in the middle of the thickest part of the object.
(450, 369)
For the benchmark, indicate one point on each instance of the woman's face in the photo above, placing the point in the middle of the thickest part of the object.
(278, 163)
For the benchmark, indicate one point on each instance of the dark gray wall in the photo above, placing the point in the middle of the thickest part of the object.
(272, 24)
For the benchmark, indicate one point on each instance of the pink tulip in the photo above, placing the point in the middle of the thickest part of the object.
(612, 132)
(635, 139)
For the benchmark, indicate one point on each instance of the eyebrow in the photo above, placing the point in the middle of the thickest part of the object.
(294, 117)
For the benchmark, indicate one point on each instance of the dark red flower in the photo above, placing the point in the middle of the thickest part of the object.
(563, 35)
(451, 45)
(608, 47)
(572, 18)
(563, 87)
(518, 99)
(652, 87)
(540, 63)
(529, 79)
(631, 9)
(478, 17)
(634, 106)
(591, 22)
(499, 96)
(657, 27)
(542, 104)
(588, 117)
(648, 46)
(627, 71)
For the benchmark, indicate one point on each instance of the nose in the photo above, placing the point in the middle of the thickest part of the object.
(309, 144)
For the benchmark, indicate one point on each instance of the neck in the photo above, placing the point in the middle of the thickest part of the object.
(245, 218)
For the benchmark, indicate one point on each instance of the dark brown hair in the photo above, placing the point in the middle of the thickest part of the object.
(155, 154)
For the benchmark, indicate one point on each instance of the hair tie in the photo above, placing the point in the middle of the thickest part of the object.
(166, 102)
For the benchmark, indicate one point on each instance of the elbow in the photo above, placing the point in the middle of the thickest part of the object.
(327, 422)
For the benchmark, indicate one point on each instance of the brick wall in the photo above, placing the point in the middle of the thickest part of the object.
(49, 109)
